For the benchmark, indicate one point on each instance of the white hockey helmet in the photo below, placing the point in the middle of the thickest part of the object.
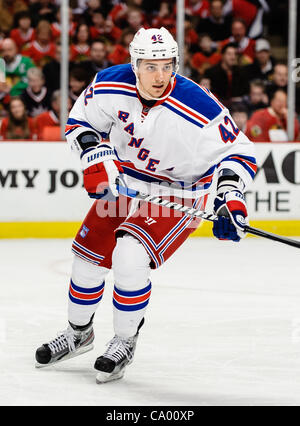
(153, 43)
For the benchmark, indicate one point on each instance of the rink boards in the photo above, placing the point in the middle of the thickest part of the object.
(42, 194)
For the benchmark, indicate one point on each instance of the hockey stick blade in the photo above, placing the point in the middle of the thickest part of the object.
(190, 211)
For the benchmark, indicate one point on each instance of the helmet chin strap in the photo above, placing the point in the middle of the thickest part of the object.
(147, 95)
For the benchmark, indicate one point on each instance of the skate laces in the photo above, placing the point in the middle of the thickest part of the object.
(65, 339)
(118, 348)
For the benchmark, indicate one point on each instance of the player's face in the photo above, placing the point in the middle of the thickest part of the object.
(154, 76)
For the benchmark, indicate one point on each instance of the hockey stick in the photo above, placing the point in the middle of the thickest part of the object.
(190, 211)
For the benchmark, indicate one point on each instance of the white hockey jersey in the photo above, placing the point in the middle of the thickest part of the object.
(180, 141)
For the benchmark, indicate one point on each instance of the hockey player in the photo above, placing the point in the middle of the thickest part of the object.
(166, 135)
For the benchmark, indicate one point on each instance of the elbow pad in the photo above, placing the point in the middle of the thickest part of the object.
(87, 140)
(228, 180)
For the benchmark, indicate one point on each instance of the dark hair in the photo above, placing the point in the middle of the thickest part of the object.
(239, 107)
(79, 74)
(273, 94)
(21, 15)
(227, 46)
(99, 39)
(75, 37)
(100, 11)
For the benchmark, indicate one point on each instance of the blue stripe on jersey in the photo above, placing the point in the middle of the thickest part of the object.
(182, 114)
(190, 94)
(119, 73)
(83, 124)
(242, 163)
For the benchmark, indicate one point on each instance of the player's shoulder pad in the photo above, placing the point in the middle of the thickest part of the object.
(196, 97)
(117, 73)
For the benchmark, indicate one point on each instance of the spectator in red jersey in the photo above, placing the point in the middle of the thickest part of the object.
(23, 33)
(56, 26)
(104, 27)
(246, 46)
(199, 8)
(216, 24)
(270, 124)
(165, 18)
(17, 125)
(80, 48)
(36, 97)
(251, 11)
(120, 52)
(41, 50)
(50, 118)
(207, 56)
(118, 14)
(227, 79)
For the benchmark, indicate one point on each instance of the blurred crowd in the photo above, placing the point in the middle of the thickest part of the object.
(227, 50)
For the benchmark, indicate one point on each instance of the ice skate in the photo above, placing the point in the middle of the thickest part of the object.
(72, 342)
(111, 365)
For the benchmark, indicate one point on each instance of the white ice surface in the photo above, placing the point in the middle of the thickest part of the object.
(222, 328)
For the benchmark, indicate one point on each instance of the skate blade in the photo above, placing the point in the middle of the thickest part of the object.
(103, 377)
(71, 355)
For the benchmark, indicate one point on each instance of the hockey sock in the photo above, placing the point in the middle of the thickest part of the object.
(129, 309)
(85, 291)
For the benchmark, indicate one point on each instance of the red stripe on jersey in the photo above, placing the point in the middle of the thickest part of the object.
(187, 110)
(118, 86)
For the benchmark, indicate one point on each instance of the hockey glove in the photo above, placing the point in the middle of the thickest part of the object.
(232, 205)
(101, 168)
